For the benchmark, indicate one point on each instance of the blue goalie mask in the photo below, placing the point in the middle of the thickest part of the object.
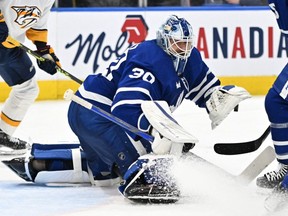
(175, 36)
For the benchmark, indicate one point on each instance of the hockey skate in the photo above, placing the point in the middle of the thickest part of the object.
(11, 145)
(274, 178)
(278, 199)
(142, 192)
(149, 180)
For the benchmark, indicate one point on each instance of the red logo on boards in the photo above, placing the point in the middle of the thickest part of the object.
(136, 27)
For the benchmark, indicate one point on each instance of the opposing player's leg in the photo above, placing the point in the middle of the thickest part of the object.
(18, 72)
(277, 110)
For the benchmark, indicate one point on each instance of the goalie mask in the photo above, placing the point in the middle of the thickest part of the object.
(175, 36)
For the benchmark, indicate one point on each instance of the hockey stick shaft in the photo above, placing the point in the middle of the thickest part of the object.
(69, 95)
(40, 58)
(254, 168)
(241, 147)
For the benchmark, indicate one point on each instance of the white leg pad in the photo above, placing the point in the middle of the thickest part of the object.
(65, 176)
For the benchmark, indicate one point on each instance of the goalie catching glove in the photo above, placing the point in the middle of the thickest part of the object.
(49, 65)
(222, 100)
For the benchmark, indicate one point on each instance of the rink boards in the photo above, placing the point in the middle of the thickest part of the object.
(241, 45)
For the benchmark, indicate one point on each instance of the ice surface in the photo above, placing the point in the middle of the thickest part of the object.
(206, 192)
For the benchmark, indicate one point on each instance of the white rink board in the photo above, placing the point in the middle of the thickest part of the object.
(247, 30)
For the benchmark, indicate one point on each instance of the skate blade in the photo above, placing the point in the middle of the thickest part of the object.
(154, 200)
(276, 202)
(9, 151)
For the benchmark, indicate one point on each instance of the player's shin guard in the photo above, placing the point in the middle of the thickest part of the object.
(17, 104)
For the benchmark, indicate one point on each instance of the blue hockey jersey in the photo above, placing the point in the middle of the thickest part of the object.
(280, 9)
(146, 72)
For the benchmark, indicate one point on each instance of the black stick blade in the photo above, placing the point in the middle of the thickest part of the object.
(242, 147)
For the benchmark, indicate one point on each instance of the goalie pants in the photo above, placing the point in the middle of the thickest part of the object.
(276, 105)
(105, 143)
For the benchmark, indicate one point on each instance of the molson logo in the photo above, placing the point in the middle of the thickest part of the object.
(134, 30)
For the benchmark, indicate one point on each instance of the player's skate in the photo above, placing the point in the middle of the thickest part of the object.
(142, 192)
(149, 180)
(273, 178)
(12, 145)
(278, 199)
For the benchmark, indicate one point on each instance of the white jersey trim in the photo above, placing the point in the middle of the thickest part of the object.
(126, 102)
(138, 146)
(199, 86)
(131, 101)
(94, 96)
(280, 143)
(204, 89)
(284, 31)
(282, 157)
(137, 89)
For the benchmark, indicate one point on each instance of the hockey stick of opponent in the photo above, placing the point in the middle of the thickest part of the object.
(40, 58)
(241, 147)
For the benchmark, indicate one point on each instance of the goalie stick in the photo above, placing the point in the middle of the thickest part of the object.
(241, 147)
(40, 58)
(69, 95)
(173, 129)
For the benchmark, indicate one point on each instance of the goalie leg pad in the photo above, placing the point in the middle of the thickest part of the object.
(76, 174)
(52, 163)
(58, 163)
